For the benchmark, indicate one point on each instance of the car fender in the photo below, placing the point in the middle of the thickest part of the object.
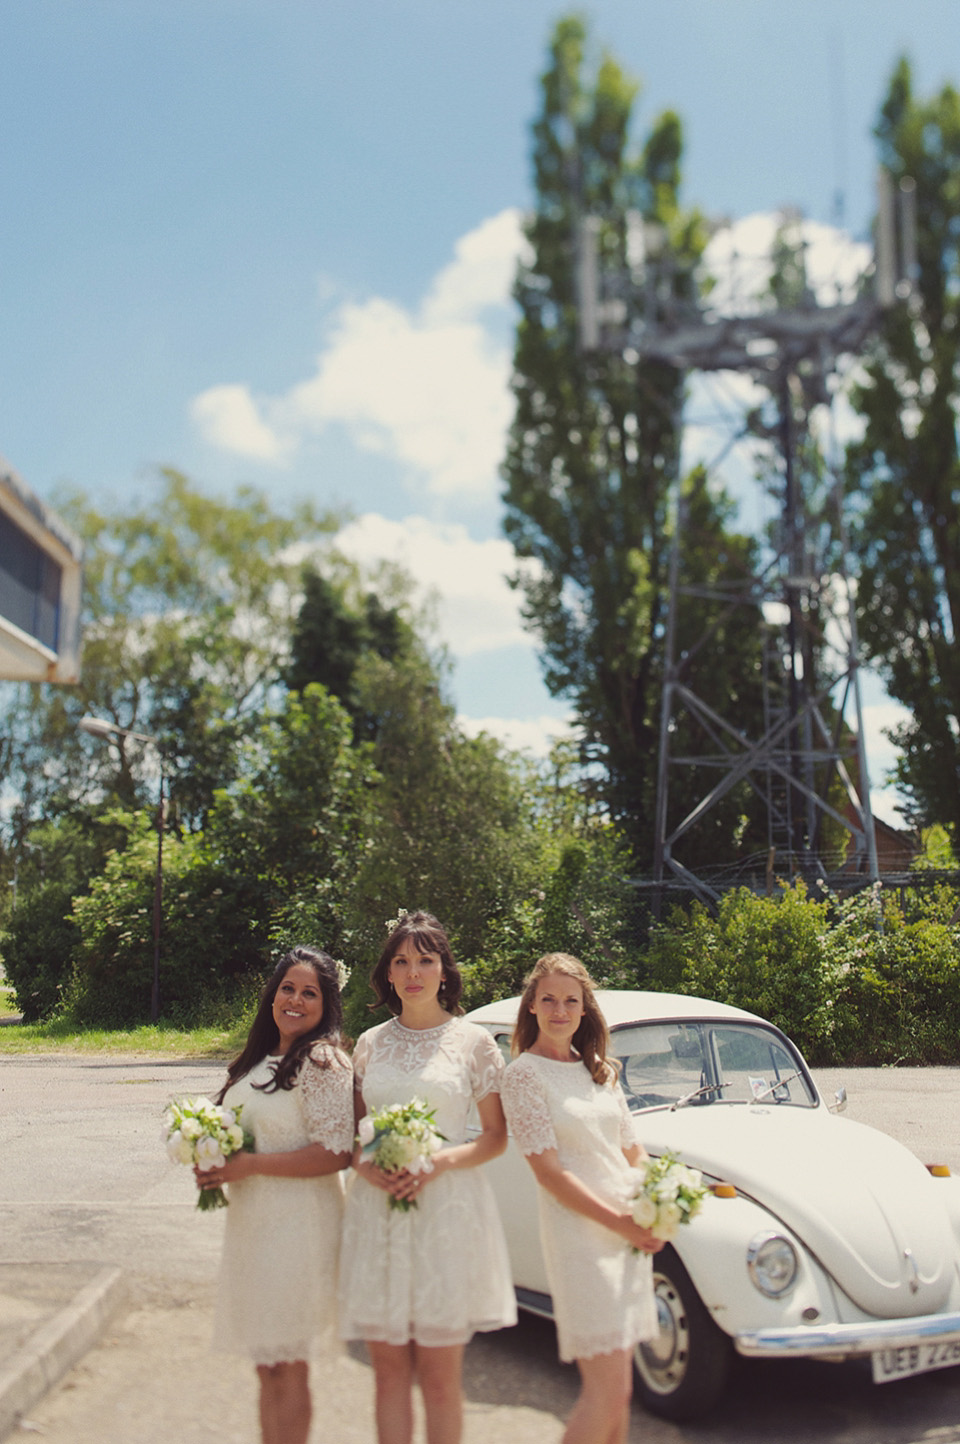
(713, 1249)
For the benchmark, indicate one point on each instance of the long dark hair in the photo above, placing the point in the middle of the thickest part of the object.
(429, 936)
(592, 1038)
(264, 1034)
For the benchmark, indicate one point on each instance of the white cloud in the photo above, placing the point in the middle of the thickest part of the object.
(478, 612)
(535, 735)
(229, 418)
(429, 387)
(480, 276)
(433, 396)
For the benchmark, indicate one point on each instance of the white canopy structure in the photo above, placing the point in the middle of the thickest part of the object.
(40, 588)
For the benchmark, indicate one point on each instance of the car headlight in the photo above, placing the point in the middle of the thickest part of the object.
(772, 1264)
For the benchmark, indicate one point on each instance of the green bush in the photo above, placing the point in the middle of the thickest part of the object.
(56, 862)
(38, 948)
(870, 979)
(765, 954)
(208, 938)
(585, 907)
(896, 969)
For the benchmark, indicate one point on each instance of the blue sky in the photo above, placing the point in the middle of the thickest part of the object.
(271, 241)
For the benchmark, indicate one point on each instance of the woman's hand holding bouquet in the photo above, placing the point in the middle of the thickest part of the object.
(400, 1142)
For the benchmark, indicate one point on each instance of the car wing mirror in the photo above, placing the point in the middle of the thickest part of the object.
(839, 1104)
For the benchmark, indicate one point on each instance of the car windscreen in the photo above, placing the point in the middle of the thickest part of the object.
(706, 1062)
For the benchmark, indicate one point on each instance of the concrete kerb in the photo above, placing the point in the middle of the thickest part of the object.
(57, 1345)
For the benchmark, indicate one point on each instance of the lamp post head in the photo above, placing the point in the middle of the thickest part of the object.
(109, 731)
(97, 727)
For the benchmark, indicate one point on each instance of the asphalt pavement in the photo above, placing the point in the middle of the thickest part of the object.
(107, 1278)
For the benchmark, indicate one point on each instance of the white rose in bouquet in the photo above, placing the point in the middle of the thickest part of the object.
(208, 1153)
(668, 1221)
(179, 1148)
(669, 1194)
(644, 1211)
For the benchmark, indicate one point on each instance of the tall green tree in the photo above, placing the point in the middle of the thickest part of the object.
(907, 535)
(452, 825)
(595, 445)
(337, 624)
(188, 606)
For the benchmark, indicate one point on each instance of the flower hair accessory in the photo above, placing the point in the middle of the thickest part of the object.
(392, 924)
(343, 973)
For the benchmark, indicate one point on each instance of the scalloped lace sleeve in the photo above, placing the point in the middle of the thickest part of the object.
(327, 1094)
(525, 1104)
(486, 1065)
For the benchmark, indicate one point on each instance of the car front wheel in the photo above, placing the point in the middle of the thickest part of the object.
(683, 1371)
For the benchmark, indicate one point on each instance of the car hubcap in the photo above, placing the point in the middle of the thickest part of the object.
(663, 1360)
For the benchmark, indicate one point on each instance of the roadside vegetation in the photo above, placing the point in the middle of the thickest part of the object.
(61, 1035)
(870, 978)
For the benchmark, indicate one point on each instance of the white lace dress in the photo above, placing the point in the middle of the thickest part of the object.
(440, 1272)
(276, 1298)
(602, 1291)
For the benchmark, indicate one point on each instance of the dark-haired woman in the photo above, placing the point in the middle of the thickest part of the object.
(277, 1292)
(416, 1284)
(567, 1112)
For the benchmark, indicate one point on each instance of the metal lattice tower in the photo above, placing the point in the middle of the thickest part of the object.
(803, 755)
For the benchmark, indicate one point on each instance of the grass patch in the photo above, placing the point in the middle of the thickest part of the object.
(7, 1009)
(58, 1035)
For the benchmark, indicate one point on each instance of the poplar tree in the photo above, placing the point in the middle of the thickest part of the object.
(594, 451)
(906, 466)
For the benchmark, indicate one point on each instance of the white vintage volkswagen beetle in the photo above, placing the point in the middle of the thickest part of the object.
(822, 1238)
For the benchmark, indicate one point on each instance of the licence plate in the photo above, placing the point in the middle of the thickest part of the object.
(889, 1364)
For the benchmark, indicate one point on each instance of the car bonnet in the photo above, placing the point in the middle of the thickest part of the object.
(859, 1201)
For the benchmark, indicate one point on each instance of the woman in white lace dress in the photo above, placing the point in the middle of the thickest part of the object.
(278, 1276)
(567, 1113)
(416, 1284)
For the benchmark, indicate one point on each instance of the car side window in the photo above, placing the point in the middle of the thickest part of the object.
(502, 1041)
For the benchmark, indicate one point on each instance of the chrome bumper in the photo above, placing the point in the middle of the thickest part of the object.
(841, 1341)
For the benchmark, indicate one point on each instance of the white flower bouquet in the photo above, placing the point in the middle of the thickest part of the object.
(402, 1136)
(203, 1135)
(670, 1194)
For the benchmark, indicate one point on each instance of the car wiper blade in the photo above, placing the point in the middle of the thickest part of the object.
(697, 1093)
(780, 1083)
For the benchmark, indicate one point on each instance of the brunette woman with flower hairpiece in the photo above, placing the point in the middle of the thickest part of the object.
(277, 1292)
(568, 1115)
(415, 1284)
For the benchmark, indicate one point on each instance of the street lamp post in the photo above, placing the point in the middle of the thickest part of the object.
(107, 731)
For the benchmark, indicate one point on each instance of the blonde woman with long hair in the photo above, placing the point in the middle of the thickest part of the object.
(568, 1115)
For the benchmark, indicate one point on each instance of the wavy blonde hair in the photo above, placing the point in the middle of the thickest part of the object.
(592, 1038)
